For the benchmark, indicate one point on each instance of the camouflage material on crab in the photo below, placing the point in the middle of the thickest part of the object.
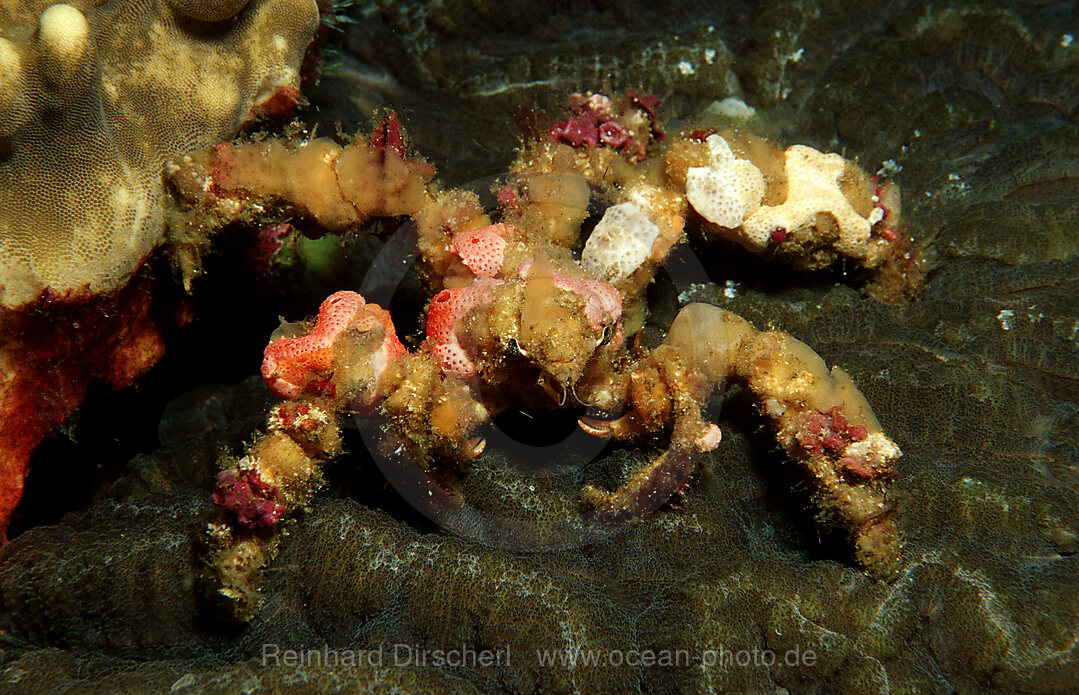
(532, 330)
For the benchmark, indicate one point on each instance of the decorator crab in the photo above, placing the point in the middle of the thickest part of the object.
(526, 313)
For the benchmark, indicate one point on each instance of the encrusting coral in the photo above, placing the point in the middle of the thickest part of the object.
(94, 99)
(516, 321)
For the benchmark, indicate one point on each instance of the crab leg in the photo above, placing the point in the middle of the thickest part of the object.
(823, 422)
(661, 388)
(337, 363)
(819, 417)
(646, 490)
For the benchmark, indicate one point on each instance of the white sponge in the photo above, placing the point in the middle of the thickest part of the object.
(620, 243)
(813, 188)
(728, 190)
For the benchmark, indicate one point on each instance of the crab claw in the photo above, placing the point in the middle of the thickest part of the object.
(594, 427)
(476, 446)
(667, 475)
(625, 427)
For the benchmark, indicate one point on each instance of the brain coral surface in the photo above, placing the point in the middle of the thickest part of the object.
(95, 97)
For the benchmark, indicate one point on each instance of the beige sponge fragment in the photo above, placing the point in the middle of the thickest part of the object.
(811, 207)
(814, 188)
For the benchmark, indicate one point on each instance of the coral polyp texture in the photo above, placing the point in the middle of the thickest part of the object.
(516, 320)
(96, 97)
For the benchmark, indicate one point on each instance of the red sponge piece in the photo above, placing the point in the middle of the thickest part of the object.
(447, 308)
(288, 363)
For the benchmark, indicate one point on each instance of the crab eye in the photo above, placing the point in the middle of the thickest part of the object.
(607, 333)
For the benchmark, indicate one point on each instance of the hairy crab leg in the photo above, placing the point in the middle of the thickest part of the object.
(646, 490)
(819, 417)
(338, 363)
(661, 387)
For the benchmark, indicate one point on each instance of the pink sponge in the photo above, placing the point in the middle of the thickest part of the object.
(481, 250)
(447, 309)
(250, 500)
(602, 302)
(289, 363)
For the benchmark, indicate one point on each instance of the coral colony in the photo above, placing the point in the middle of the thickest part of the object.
(516, 319)
(94, 99)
